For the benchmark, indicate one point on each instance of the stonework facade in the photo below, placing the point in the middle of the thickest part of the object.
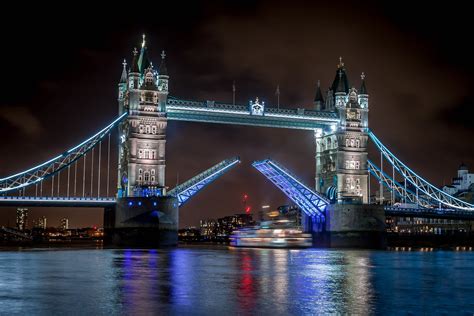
(341, 151)
(142, 93)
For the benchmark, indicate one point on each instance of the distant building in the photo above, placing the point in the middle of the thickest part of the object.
(64, 223)
(220, 229)
(21, 218)
(462, 183)
(41, 223)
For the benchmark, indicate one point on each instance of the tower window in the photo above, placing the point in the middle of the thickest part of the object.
(153, 129)
(152, 178)
(357, 143)
(140, 129)
(140, 171)
(140, 154)
(352, 142)
(147, 154)
(347, 142)
(147, 176)
(148, 129)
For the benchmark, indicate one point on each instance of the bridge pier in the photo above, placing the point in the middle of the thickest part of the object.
(142, 222)
(355, 226)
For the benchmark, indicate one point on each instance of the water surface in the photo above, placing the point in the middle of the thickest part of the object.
(223, 281)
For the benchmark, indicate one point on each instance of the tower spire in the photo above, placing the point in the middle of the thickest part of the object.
(363, 88)
(123, 77)
(135, 67)
(318, 99)
(341, 87)
(163, 70)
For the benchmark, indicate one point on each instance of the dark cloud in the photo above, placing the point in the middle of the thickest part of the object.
(22, 119)
(459, 115)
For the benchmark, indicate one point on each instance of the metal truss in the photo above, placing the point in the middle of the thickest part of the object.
(312, 203)
(422, 185)
(55, 165)
(214, 112)
(407, 195)
(188, 189)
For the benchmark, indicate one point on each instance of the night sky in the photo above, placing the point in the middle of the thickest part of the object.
(61, 66)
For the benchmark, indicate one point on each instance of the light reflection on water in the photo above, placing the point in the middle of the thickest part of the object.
(217, 281)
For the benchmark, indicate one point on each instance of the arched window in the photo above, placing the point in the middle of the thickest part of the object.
(153, 154)
(147, 176)
(352, 142)
(357, 166)
(140, 154)
(347, 142)
(153, 171)
(152, 178)
(148, 129)
(153, 129)
(140, 178)
(141, 129)
(140, 171)
(147, 154)
(357, 143)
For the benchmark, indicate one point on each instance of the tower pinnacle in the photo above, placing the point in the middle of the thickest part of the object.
(363, 89)
(143, 41)
(123, 77)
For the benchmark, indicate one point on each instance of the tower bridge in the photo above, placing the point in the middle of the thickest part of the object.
(141, 210)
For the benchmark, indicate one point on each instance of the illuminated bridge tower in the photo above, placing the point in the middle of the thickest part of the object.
(142, 202)
(341, 166)
(341, 153)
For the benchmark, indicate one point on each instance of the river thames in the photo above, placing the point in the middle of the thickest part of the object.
(222, 281)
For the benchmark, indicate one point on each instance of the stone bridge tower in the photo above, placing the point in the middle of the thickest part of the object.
(143, 93)
(341, 152)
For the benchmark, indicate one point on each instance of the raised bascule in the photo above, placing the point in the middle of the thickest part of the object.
(143, 212)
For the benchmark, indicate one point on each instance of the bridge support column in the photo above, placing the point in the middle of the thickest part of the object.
(142, 222)
(355, 226)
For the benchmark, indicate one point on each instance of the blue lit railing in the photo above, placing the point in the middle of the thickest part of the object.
(55, 165)
(422, 185)
(188, 189)
(312, 203)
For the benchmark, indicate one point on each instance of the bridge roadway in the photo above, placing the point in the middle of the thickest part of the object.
(44, 201)
(102, 202)
(214, 112)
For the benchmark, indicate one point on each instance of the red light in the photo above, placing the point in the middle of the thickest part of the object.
(247, 209)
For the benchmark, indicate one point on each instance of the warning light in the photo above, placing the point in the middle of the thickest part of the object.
(247, 209)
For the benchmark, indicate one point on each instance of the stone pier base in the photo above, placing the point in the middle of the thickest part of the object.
(142, 222)
(355, 226)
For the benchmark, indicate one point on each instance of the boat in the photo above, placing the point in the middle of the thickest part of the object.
(271, 234)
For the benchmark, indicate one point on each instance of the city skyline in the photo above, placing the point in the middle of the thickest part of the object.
(435, 101)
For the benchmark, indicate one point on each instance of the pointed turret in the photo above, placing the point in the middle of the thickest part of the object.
(363, 89)
(123, 77)
(163, 71)
(340, 83)
(363, 95)
(143, 60)
(134, 68)
(318, 99)
(340, 95)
